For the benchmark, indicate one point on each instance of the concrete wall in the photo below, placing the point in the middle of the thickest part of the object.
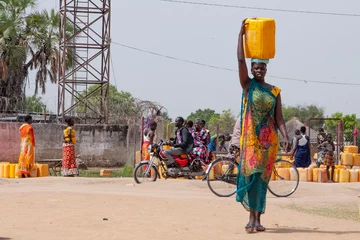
(97, 145)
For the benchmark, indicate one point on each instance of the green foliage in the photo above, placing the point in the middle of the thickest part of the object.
(349, 122)
(122, 105)
(203, 114)
(226, 119)
(303, 113)
(34, 104)
(127, 171)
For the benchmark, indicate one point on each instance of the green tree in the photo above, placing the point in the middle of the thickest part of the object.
(122, 105)
(28, 41)
(203, 114)
(227, 121)
(349, 121)
(34, 104)
(303, 113)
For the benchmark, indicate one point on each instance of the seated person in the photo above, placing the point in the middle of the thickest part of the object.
(183, 143)
(201, 138)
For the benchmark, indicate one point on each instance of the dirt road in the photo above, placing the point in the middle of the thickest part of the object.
(74, 208)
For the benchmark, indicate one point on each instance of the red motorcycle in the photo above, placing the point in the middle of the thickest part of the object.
(190, 165)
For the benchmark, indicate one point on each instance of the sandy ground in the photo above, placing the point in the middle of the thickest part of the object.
(74, 208)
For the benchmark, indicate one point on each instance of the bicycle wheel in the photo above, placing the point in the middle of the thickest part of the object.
(145, 173)
(285, 179)
(221, 178)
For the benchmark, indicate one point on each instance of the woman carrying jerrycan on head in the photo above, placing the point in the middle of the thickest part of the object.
(261, 113)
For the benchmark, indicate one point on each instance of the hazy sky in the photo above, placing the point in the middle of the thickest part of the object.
(309, 46)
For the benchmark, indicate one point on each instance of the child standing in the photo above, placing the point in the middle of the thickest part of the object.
(329, 148)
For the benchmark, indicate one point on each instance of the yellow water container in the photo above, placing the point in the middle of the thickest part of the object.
(2, 168)
(336, 174)
(42, 170)
(347, 159)
(359, 177)
(283, 173)
(273, 176)
(309, 174)
(303, 174)
(354, 175)
(166, 147)
(6, 170)
(12, 170)
(260, 38)
(356, 159)
(344, 176)
(16, 170)
(211, 174)
(322, 166)
(339, 167)
(224, 168)
(351, 149)
(315, 174)
(322, 176)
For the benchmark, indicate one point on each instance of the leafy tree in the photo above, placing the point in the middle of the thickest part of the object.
(303, 113)
(34, 104)
(227, 121)
(122, 105)
(203, 114)
(349, 121)
(28, 41)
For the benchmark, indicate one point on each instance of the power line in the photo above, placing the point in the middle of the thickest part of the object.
(265, 9)
(113, 71)
(232, 70)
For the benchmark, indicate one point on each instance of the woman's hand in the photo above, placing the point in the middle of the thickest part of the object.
(287, 144)
(242, 30)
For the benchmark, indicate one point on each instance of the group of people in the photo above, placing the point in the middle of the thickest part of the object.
(190, 138)
(301, 150)
(26, 163)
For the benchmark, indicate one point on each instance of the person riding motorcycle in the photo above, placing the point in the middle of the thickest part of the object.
(183, 143)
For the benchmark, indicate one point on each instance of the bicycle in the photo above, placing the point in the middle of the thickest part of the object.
(280, 185)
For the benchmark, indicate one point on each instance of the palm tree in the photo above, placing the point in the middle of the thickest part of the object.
(27, 42)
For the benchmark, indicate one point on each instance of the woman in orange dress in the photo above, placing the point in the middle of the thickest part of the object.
(27, 149)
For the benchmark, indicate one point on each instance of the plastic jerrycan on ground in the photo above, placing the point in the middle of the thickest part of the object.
(260, 38)
(347, 159)
(344, 176)
(354, 175)
(303, 175)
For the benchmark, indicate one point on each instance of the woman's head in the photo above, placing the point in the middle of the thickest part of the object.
(28, 119)
(303, 130)
(69, 121)
(202, 123)
(153, 126)
(329, 137)
(197, 124)
(189, 124)
(259, 68)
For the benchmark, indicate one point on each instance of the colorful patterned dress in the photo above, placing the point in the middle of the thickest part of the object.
(259, 146)
(69, 167)
(27, 151)
(201, 139)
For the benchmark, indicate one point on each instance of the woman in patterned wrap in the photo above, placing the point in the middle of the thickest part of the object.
(69, 168)
(261, 116)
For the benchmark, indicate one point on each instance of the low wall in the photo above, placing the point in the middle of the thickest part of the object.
(97, 145)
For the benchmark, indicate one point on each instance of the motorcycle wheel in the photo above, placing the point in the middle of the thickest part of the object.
(145, 173)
